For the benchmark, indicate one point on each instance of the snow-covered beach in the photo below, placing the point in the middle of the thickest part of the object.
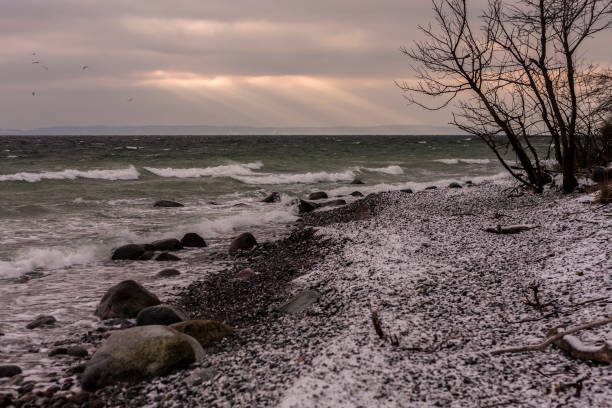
(447, 294)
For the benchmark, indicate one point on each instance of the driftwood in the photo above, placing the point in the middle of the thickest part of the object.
(550, 340)
(577, 349)
(510, 229)
(391, 339)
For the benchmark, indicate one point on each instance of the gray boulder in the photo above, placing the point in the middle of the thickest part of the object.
(357, 194)
(169, 244)
(272, 198)
(406, 190)
(167, 203)
(454, 185)
(165, 256)
(41, 321)
(164, 315)
(242, 242)
(357, 181)
(431, 188)
(206, 332)
(193, 240)
(306, 207)
(168, 273)
(131, 252)
(125, 300)
(140, 353)
(147, 256)
(9, 371)
(319, 195)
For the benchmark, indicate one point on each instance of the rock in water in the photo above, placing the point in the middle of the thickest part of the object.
(167, 203)
(9, 371)
(193, 240)
(165, 256)
(357, 194)
(317, 195)
(125, 300)
(305, 207)
(41, 321)
(272, 198)
(431, 188)
(164, 315)
(138, 354)
(300, 302)
(243, 242)
(170, 244)
(130, 252)
(206, 332)
(147, 256)
(454, 185)
(168, 273)
(357, 181)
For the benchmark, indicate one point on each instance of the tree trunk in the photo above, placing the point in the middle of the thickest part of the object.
(569, 178)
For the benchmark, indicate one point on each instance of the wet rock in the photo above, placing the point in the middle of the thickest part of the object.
(272, 198)
(129, 252)
(206, 332)
(170, 244)
(146, 256)
(41, 321)
(168, 273)
(165, 256)
(138, 354)
(406, 190)
(77, 351)
(242, 242)
(306, 207)
(357, 181)
(245, 275)
(58, 351)
(193, 240)
(125, 300)
(357, 194)
(167, 203)
(333, 203)
(300, 302)
(164, 315)
(431, 188)
(318, 195)
(469, 183)
(9, 371)
(454, 185)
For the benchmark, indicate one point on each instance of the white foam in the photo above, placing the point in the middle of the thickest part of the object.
(46, 259)
(226, 170)
(12, 156)
(227, 225)
(129, 173)
(300, 178)
(393, 169)
(466, 161)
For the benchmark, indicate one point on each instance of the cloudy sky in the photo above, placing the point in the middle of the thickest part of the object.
(211, 62)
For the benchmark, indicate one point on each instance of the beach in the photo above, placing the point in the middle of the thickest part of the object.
(446, 294)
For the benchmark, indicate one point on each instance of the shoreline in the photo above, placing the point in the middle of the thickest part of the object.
(438, 281)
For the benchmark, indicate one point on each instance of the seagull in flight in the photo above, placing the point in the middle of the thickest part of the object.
(85, 67)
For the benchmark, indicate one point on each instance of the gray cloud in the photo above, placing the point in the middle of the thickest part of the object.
(243, 62)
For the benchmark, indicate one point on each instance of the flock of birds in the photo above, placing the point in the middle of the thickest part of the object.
(36, 60)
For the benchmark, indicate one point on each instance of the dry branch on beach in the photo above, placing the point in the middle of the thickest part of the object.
(510, 229)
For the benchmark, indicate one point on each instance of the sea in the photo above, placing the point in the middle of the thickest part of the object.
(67, 201)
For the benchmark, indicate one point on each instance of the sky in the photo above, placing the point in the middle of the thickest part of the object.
(212, 62)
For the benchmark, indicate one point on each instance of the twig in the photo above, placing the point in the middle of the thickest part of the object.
(542, 346)
(589, 301)
(437, 347)
(391, 339)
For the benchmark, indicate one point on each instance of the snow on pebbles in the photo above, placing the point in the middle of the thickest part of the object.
(449, 291)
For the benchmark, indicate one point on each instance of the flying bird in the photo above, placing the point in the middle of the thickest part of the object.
(85, 67)
(33, 93)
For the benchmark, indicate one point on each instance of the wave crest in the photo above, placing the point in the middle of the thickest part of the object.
(129, 173)
(465, 161)
(226, 170)
(300, 178)
(393, 169)
(47, 258)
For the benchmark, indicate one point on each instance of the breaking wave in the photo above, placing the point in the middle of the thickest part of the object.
(226, 170)
(466, 161)
(46, 259)
(129, 173)
(300, 178)
(393, 169)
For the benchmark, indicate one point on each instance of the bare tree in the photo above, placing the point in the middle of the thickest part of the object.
(516, 76)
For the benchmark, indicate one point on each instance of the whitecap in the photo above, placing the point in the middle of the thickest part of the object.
(299, 178)
(129, 173)
(46, 259)
(393, 169)
(226, 170)
(465, 161)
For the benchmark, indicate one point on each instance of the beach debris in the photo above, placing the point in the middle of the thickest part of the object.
(300, 302)
(41, 321)
(510, 229)
(273, 197)
(140, 353)
(167, 203)
(556, 337)
(242, 242)
(206, 332)
(168, 273)
(168, 244)
(559, 388)
(317, 195)
(375, 317)
(577, 349)
(125, 300)
(160, 314)
(166, 256)
(535, 302)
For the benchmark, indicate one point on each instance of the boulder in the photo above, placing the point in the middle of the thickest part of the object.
(300, 302)
(319, 195)
(165, 256)
(242, 242)
(138, 354)
(41, 321)
(333, 203)
(306, 207)
(164, 315)
(406, 190)
(357, 194)
(168, 273)
(131, 252)
(9, 370)
(147, 256)
(125, 300)
(193, 240)
(454, 185)
(169, 244)
(167, 203)
(357, 181)
(206, 332)
(272, 198)
(431, 188)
